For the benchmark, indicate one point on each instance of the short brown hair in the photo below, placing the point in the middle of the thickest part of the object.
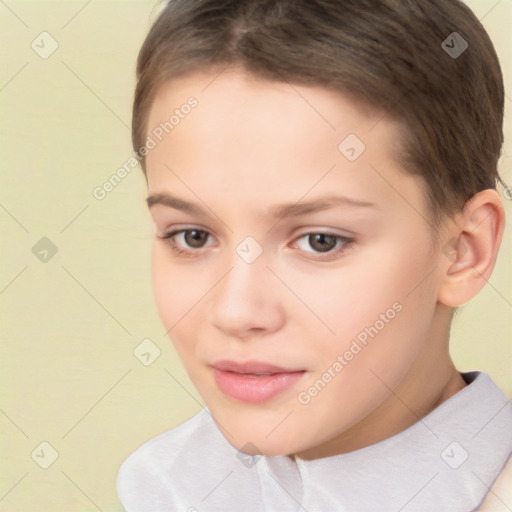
(388, 53)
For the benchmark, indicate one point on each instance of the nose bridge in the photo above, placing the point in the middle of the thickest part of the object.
(245, 298)
(248, 273)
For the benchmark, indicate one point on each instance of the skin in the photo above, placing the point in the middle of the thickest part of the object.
(250, 145)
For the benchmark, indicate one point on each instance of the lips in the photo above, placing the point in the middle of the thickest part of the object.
(251, 367)
(254, 381)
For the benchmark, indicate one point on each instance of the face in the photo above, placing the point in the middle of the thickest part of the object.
(292, 266)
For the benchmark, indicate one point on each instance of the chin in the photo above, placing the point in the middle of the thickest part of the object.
(262, 448)
(253, 439)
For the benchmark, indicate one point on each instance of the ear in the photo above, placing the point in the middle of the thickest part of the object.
(469, 255)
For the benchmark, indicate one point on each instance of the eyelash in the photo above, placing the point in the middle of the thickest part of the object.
(169, 237)
(178, 251)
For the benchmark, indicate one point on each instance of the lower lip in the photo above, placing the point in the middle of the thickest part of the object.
(255, 389)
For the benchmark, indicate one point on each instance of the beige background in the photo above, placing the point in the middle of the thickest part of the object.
(69, 325)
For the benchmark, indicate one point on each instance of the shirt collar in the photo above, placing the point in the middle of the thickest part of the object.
(447, 461)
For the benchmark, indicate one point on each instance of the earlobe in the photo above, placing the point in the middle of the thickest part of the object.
(469, 256)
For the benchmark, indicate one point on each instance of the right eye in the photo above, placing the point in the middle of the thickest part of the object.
(186, 242)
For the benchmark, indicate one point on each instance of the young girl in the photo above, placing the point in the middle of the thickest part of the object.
(321, 175)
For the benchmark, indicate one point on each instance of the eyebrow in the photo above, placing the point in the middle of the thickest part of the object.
(174, 202)
(277, 211)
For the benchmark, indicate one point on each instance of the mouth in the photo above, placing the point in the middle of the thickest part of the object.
(254, 381)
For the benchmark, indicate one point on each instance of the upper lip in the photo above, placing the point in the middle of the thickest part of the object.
(253, 367)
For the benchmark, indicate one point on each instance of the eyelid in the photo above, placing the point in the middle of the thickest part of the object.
(186, 227)
(312, 230)
(179, 228)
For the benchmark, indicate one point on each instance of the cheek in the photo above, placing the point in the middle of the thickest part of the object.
(380, 307)
(372, 362)
(165, 286)
(177, 294)
(351, 298)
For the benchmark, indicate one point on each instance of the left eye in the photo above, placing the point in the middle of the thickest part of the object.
(321, 242)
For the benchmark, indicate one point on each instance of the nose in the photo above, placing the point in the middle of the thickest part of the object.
(247, 302)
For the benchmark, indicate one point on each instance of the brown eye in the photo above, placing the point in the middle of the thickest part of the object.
(195, 238)
(322, 242)
(325, 245)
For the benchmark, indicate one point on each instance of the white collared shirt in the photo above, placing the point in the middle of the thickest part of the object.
(446, 462)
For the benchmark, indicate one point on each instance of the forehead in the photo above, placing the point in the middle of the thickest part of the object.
(241, 101)
(250, 137)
